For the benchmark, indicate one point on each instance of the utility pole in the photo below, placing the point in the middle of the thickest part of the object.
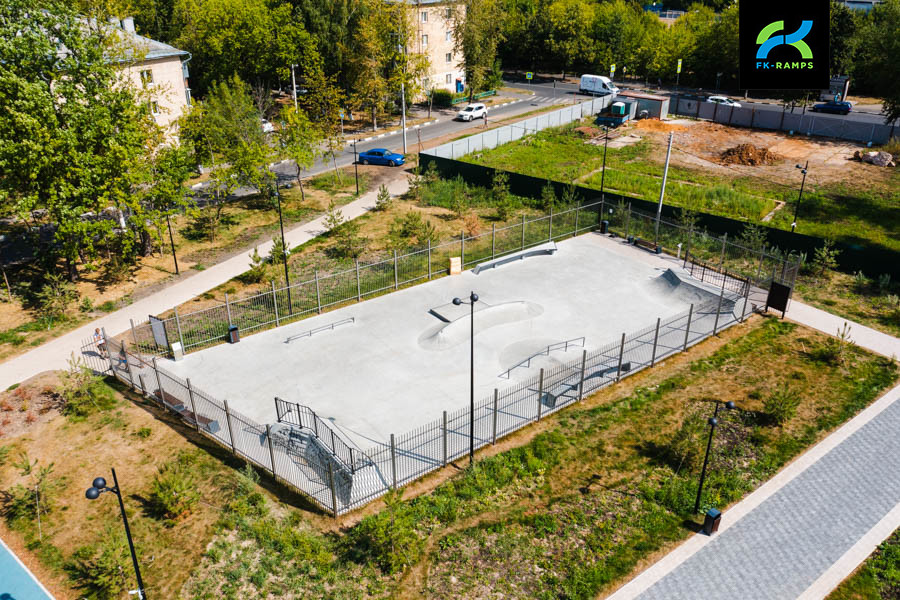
(294, 86)
(662, 189)
(401, 47)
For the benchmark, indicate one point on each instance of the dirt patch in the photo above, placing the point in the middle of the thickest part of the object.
(588, 131)
(27, 406)
(748, 154)
(654, 125)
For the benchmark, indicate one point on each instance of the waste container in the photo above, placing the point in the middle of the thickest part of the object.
(234, 335)
(711, 521)
(604, 226)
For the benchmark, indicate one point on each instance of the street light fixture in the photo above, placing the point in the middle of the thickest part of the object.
(713, 422)
(803, 170)
(98, 486)
(473, 298)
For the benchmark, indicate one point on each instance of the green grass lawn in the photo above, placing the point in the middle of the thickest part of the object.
(863, 212)
(878, 578)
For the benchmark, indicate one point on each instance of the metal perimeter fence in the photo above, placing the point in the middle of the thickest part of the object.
(311, 456)
(808, 123)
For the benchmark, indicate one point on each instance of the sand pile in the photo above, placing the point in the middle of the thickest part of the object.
(657, 125)
(748, 154)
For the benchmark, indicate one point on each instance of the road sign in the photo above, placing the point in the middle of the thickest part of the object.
(624, 69)
(612, 68)
(529, 75)
(342, 114)
(679, 66)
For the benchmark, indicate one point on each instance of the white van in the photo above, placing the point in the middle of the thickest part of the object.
(597, 85)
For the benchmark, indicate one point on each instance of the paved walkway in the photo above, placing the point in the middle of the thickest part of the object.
(54, 354)
(802, 532)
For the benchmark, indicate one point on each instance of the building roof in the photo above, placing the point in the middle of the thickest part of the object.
(140, 47)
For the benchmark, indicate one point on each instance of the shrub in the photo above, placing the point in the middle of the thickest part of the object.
(83, 392)
(471, 224)
(87, 305)
(832, 349)
(383, 201)
(548, 197)
(825, 258)
(781, 405)
(884, 282)
(685, 446)
(102, 574)
(143, 433)
(441, 97)
(173, 493)
(279, 252)
(411, 229)
(37, 498)
(56, 295)
(388, 538)
(257, 271)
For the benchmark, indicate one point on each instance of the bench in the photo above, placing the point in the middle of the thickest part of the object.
(655, 248)
(174, 404)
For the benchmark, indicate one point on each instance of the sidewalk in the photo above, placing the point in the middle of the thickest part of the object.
(806, 529)
(54, 354)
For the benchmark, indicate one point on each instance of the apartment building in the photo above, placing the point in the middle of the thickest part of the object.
(159, 70)
(434, 38)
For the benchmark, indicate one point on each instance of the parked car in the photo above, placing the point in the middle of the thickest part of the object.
(597, 85)
(472, 111)
(724, 100)
(839, 108)
(380, 156)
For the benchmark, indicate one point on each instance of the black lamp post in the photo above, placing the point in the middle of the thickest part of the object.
(603, 173)
(473, 298)
(98, 487)
(713, 421)
(172, 242)
(356, 167)
(284, 248)
(800, 197)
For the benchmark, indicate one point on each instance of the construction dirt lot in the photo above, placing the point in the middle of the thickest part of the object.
(702, 143)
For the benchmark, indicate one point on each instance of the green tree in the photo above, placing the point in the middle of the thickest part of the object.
(876, 67)
(71, 131)
(842, 38)
(570, 38)
(300, 141)
(476, 26)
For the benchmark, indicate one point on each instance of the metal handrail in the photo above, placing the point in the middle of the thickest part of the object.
(330, 326)
(344, 452)
(545, 352)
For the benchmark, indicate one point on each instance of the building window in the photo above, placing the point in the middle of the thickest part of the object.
(449, 77)
(424, 41)
(449, 12)
(424, 17)
(154, 107)
(147, 77)
(448, 36)
(449, 57)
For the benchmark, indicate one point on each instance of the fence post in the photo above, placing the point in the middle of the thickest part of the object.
(550, 232)
(143, 384)
(162, 395)
(746, 299)
(655, 340)
(540, 395)
(190, 390)
(621, 355)
(429, 259)
(581, 384)
(128, 366)
(133, 333)
(444, 436)
(462, 250)
(687, 330)
(523, 232)
(577, 210)
(272, 451)
(762, 255)
(358, 286)
(494, 426)
(178, 325)
(275, 303)
(627, 220)
(722, 259)
(112, 366)
(228, 309)
(230, 427)
(493, 239)
(396, 274)
(688, 249)
(318, 295)
(393, 462)
(718, 309)
(334, 511)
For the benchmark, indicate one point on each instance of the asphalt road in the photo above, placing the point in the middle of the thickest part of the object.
(287, 170)
(542, 87)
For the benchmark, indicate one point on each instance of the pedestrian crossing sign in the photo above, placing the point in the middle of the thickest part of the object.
(529, 75)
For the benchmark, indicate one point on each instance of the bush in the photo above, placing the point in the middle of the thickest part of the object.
(383, 201)
(103, 574)
(781, 405)
(257, 271)
(825, 258)
(173, 493)
(441, 97)
(410, 230)
(279, 252)
(388, 538)
(84, 393)
(56, 296)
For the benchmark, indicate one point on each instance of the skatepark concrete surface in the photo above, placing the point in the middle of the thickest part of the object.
(405, 357)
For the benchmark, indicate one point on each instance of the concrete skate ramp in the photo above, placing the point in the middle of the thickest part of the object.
(670, 285)
(448, 335)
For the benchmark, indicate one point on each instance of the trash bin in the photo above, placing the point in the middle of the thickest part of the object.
(234, 335)
(711, 521)
(604, 226)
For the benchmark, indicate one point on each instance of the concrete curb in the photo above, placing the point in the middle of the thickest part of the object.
(376, 137)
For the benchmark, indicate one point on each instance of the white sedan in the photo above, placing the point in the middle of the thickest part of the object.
(472, 111)
(724, 100)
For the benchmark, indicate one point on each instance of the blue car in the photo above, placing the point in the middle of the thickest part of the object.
(839, 108)
(380, 156)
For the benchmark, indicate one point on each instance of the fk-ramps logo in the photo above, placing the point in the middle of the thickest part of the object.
(784, 45)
